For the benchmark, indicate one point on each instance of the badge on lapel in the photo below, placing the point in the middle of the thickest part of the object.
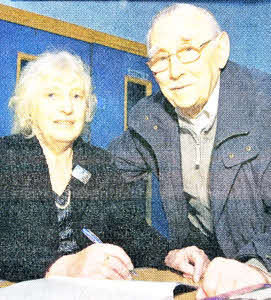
(81, 174)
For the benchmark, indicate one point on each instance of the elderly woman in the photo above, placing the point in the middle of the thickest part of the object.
(53, 184)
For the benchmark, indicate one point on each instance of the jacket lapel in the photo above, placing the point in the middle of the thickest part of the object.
(79, 187)
(33, 163)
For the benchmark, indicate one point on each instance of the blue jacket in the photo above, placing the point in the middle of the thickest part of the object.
(240, 172)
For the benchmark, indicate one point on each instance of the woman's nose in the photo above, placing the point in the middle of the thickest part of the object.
(66, 105)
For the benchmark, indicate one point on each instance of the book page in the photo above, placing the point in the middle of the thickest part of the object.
(67, 288)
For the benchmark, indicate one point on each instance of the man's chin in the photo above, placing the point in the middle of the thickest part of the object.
(183, 103)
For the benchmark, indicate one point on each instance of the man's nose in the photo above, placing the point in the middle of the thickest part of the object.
(175, 67)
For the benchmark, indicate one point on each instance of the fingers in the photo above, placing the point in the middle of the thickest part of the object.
(201, 261)
(223, 275)
(118, 253)
(192, 261)
(188, 276)
(109, 260)
(113, 268)
(98, 261)
(177, 259)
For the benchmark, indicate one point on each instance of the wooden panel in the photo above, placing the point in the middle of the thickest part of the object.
(52, 25)
(22, 58)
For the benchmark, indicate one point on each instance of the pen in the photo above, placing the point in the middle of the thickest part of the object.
(93, 237)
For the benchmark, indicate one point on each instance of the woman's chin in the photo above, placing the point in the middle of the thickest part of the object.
(65, 138)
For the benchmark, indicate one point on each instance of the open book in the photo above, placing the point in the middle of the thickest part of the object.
(58, 288)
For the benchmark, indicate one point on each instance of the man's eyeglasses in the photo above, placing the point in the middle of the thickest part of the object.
(185, 55)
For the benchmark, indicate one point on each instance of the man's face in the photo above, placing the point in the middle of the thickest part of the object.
(187, 86)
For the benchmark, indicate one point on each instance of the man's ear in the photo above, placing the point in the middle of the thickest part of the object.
(223, 49)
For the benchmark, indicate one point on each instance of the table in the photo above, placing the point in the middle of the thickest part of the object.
(5, 283)
(152, 274)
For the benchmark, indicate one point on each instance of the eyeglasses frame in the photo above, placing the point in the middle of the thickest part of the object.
(150, 63)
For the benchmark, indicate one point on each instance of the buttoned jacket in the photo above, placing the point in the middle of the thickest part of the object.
(240, 171)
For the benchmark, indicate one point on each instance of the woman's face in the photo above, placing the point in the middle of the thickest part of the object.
(59, 108)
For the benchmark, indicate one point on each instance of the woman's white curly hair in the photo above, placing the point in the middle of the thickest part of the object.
(32, 74)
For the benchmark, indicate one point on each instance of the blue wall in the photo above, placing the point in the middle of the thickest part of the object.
(109, 69)
(248, 24)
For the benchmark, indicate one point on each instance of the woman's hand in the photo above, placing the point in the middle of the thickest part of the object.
(192, 261)
(98, 261)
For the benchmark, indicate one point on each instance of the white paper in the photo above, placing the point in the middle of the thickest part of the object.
(59, 288)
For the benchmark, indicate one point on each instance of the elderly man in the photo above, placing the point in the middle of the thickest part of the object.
(206, 136)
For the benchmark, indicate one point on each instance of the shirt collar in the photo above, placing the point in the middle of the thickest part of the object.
(205, 119)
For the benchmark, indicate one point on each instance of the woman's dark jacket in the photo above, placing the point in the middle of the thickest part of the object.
(29, 237)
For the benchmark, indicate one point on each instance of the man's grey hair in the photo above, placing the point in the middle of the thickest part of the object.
(31, 78)
(180, 10)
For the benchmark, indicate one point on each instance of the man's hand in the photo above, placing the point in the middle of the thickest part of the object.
(192, 261)
(98, 261)
(224, 275)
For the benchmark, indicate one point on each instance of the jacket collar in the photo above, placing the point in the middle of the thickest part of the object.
(151, 111)
(36, 160)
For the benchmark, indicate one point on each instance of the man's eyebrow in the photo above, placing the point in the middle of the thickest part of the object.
(152, 51)
(159, 52)
(182, 43)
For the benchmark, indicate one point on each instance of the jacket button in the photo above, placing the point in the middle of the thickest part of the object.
(231, 155)
(155, 127)
(146, 118)
(248, 148)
